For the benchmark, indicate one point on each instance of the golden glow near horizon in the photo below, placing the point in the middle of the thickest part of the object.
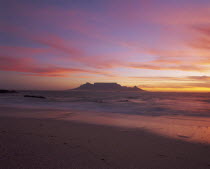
(168, 89)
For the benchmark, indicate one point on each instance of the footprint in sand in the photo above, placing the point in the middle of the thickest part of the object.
(162, 155)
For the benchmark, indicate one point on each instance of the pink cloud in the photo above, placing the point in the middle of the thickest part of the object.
(29, 66)
(180, 67)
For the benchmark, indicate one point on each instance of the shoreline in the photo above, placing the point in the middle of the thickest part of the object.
(49, 143)
(187, 128)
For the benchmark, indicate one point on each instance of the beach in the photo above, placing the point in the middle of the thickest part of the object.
(103, 130)
(51, 144)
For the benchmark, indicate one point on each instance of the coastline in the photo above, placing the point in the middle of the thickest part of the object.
(49, 143)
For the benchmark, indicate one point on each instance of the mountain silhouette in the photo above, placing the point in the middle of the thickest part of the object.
(106, 87)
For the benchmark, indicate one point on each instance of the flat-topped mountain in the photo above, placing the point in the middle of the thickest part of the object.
(106, 87)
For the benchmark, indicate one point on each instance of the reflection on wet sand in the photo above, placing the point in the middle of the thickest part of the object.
(195, 129)
(188, 128)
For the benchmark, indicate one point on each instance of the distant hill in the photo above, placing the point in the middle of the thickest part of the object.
(106, 87)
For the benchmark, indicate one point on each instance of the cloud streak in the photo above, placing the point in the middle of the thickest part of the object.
(32, 68)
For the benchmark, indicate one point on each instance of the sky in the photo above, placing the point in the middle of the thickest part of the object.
(157, 45)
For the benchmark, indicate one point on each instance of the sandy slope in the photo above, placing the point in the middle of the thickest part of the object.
(43, 143)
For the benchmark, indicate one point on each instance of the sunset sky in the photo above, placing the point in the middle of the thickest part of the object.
(158, 45)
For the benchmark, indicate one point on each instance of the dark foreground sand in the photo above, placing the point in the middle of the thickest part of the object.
(52, 144)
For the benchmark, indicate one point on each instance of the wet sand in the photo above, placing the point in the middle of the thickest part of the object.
(51, 144)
